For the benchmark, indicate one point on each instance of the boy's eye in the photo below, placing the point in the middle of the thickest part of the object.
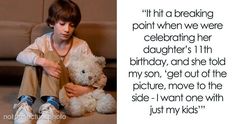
(72, 25)
(62, 23)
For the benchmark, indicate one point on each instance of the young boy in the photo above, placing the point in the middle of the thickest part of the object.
(46, 61)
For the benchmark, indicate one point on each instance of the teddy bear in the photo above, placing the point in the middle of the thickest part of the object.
(87, 70)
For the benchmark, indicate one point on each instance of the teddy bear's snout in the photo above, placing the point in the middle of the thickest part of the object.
(90, 77)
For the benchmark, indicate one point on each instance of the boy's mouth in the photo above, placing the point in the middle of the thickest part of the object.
(66, 35)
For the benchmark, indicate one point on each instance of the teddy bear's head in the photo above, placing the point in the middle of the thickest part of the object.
(86, 69)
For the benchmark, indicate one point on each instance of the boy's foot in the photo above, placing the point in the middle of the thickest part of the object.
(49, 114)
(24, 113)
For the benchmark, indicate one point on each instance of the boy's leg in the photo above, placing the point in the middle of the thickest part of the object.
(29, 84)
(30, 80)
(50, 86)
(27, 95)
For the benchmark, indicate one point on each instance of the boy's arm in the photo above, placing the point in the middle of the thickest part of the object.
(50, 67)
(74, 90)
(29, 55)
(101, 83)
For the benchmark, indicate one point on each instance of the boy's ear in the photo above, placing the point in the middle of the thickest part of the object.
(51, 25)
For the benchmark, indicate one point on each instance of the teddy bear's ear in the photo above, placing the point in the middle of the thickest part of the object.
(101, 61)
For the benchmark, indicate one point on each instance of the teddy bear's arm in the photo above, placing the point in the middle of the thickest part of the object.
(101, 82)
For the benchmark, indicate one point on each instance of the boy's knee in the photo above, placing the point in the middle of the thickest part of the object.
(29, 68)
(51, 55)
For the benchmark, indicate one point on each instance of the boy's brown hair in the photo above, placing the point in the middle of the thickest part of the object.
(65, 10)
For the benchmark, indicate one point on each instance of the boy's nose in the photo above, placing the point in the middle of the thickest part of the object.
(67, 28)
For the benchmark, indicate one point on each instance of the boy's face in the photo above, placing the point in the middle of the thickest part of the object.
(63, 30)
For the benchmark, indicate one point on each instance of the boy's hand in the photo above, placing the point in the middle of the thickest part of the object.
(52, 68)
(74, 90)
